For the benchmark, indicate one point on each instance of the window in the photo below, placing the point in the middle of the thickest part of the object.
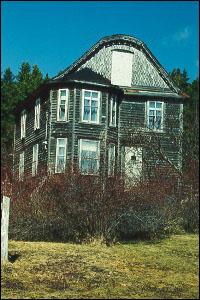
(23, 124)
(35, 160)
(21, 166)
(37, 114)
(89, 156)
(121, 68)
(90, 106)
(113, 115)
(61, 147)
(155, 115)
(111, 160)
(62, 112)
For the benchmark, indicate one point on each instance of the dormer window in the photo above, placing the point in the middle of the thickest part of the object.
(37, 115)
(23, 124)
(121, 68)
(62, 112)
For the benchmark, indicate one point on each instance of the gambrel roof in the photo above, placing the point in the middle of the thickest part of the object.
(118, 39)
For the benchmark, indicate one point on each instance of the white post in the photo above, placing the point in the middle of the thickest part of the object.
(5, 205)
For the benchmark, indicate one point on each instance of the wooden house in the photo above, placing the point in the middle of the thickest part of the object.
(87, 115)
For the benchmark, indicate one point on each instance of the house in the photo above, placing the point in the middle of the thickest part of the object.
(86, 115)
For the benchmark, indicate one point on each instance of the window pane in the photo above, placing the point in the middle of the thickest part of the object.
(151, 122)
(86, 115)
(151, 112)
(94, 114)
(152, 104)
(158, 105)
(87, 94)
(94, 95)
(63, 93)
(61, 142)
(158, 113)
(86, 102)
(94, 103)
(61, 151)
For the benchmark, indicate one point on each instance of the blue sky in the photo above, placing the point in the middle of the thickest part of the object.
(53, 34)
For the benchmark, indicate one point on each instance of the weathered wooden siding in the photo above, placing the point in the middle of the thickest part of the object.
(133, 116)
(32, 137)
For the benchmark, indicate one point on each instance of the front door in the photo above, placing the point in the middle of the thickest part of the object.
(133, 164)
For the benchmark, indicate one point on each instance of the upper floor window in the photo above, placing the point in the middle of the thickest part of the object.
(62, 112)
(89, 156)
(155, 115)
(21, 166)
(23, 124)
(113, 111)
(35, 159)
(90, 106)
(61, 147)
(121, 73)
(37, 115)
(111, 160)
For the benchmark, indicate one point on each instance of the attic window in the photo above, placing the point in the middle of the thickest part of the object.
(121, 73)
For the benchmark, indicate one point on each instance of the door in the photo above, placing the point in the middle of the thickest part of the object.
(133, 164)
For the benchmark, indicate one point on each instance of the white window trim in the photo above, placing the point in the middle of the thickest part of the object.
(162, 115)
(82, 107)
(37, 114)
(36, 165)
(21, 165)
(109, 159)
(66, 105)
(23, 123)
(65, 152)
(111, 108)
(98, 155)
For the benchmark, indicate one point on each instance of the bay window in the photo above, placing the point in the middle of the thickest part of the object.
(89, 156)
(37, 115)
(111, 160)
(61, 147)
(62, 111)
(23, 124)
(90, 106)
(35, 160)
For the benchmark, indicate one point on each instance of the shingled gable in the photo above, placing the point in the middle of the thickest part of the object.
(70, 73)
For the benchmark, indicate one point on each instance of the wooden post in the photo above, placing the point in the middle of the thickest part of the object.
(5, 205)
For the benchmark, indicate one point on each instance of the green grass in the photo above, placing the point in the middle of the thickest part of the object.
(134, 270)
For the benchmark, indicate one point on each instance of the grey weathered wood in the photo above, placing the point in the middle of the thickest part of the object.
(5, 205)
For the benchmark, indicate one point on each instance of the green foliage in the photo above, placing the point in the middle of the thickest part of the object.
(15, 89)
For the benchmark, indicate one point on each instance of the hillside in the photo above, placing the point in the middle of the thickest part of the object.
(132, 270)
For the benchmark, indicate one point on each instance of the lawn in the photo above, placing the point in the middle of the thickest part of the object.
(134, 270)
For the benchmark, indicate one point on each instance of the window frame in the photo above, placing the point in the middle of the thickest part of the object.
(111, 111)
(65, 152)
(98, 110)
(148, 108)
(21, 165)
(35, 161)
(66, 119)
(98, 156)
(37, 114)
(23, 123)
(111, 172)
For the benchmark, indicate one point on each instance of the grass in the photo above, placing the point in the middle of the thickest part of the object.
(167, 269)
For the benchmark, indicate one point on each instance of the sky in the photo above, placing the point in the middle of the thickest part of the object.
(53, 34)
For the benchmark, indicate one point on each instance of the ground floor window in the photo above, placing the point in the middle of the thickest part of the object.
(89, 156)
(21, 166)
(61, 147)
(35, 160)
(111, 159)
